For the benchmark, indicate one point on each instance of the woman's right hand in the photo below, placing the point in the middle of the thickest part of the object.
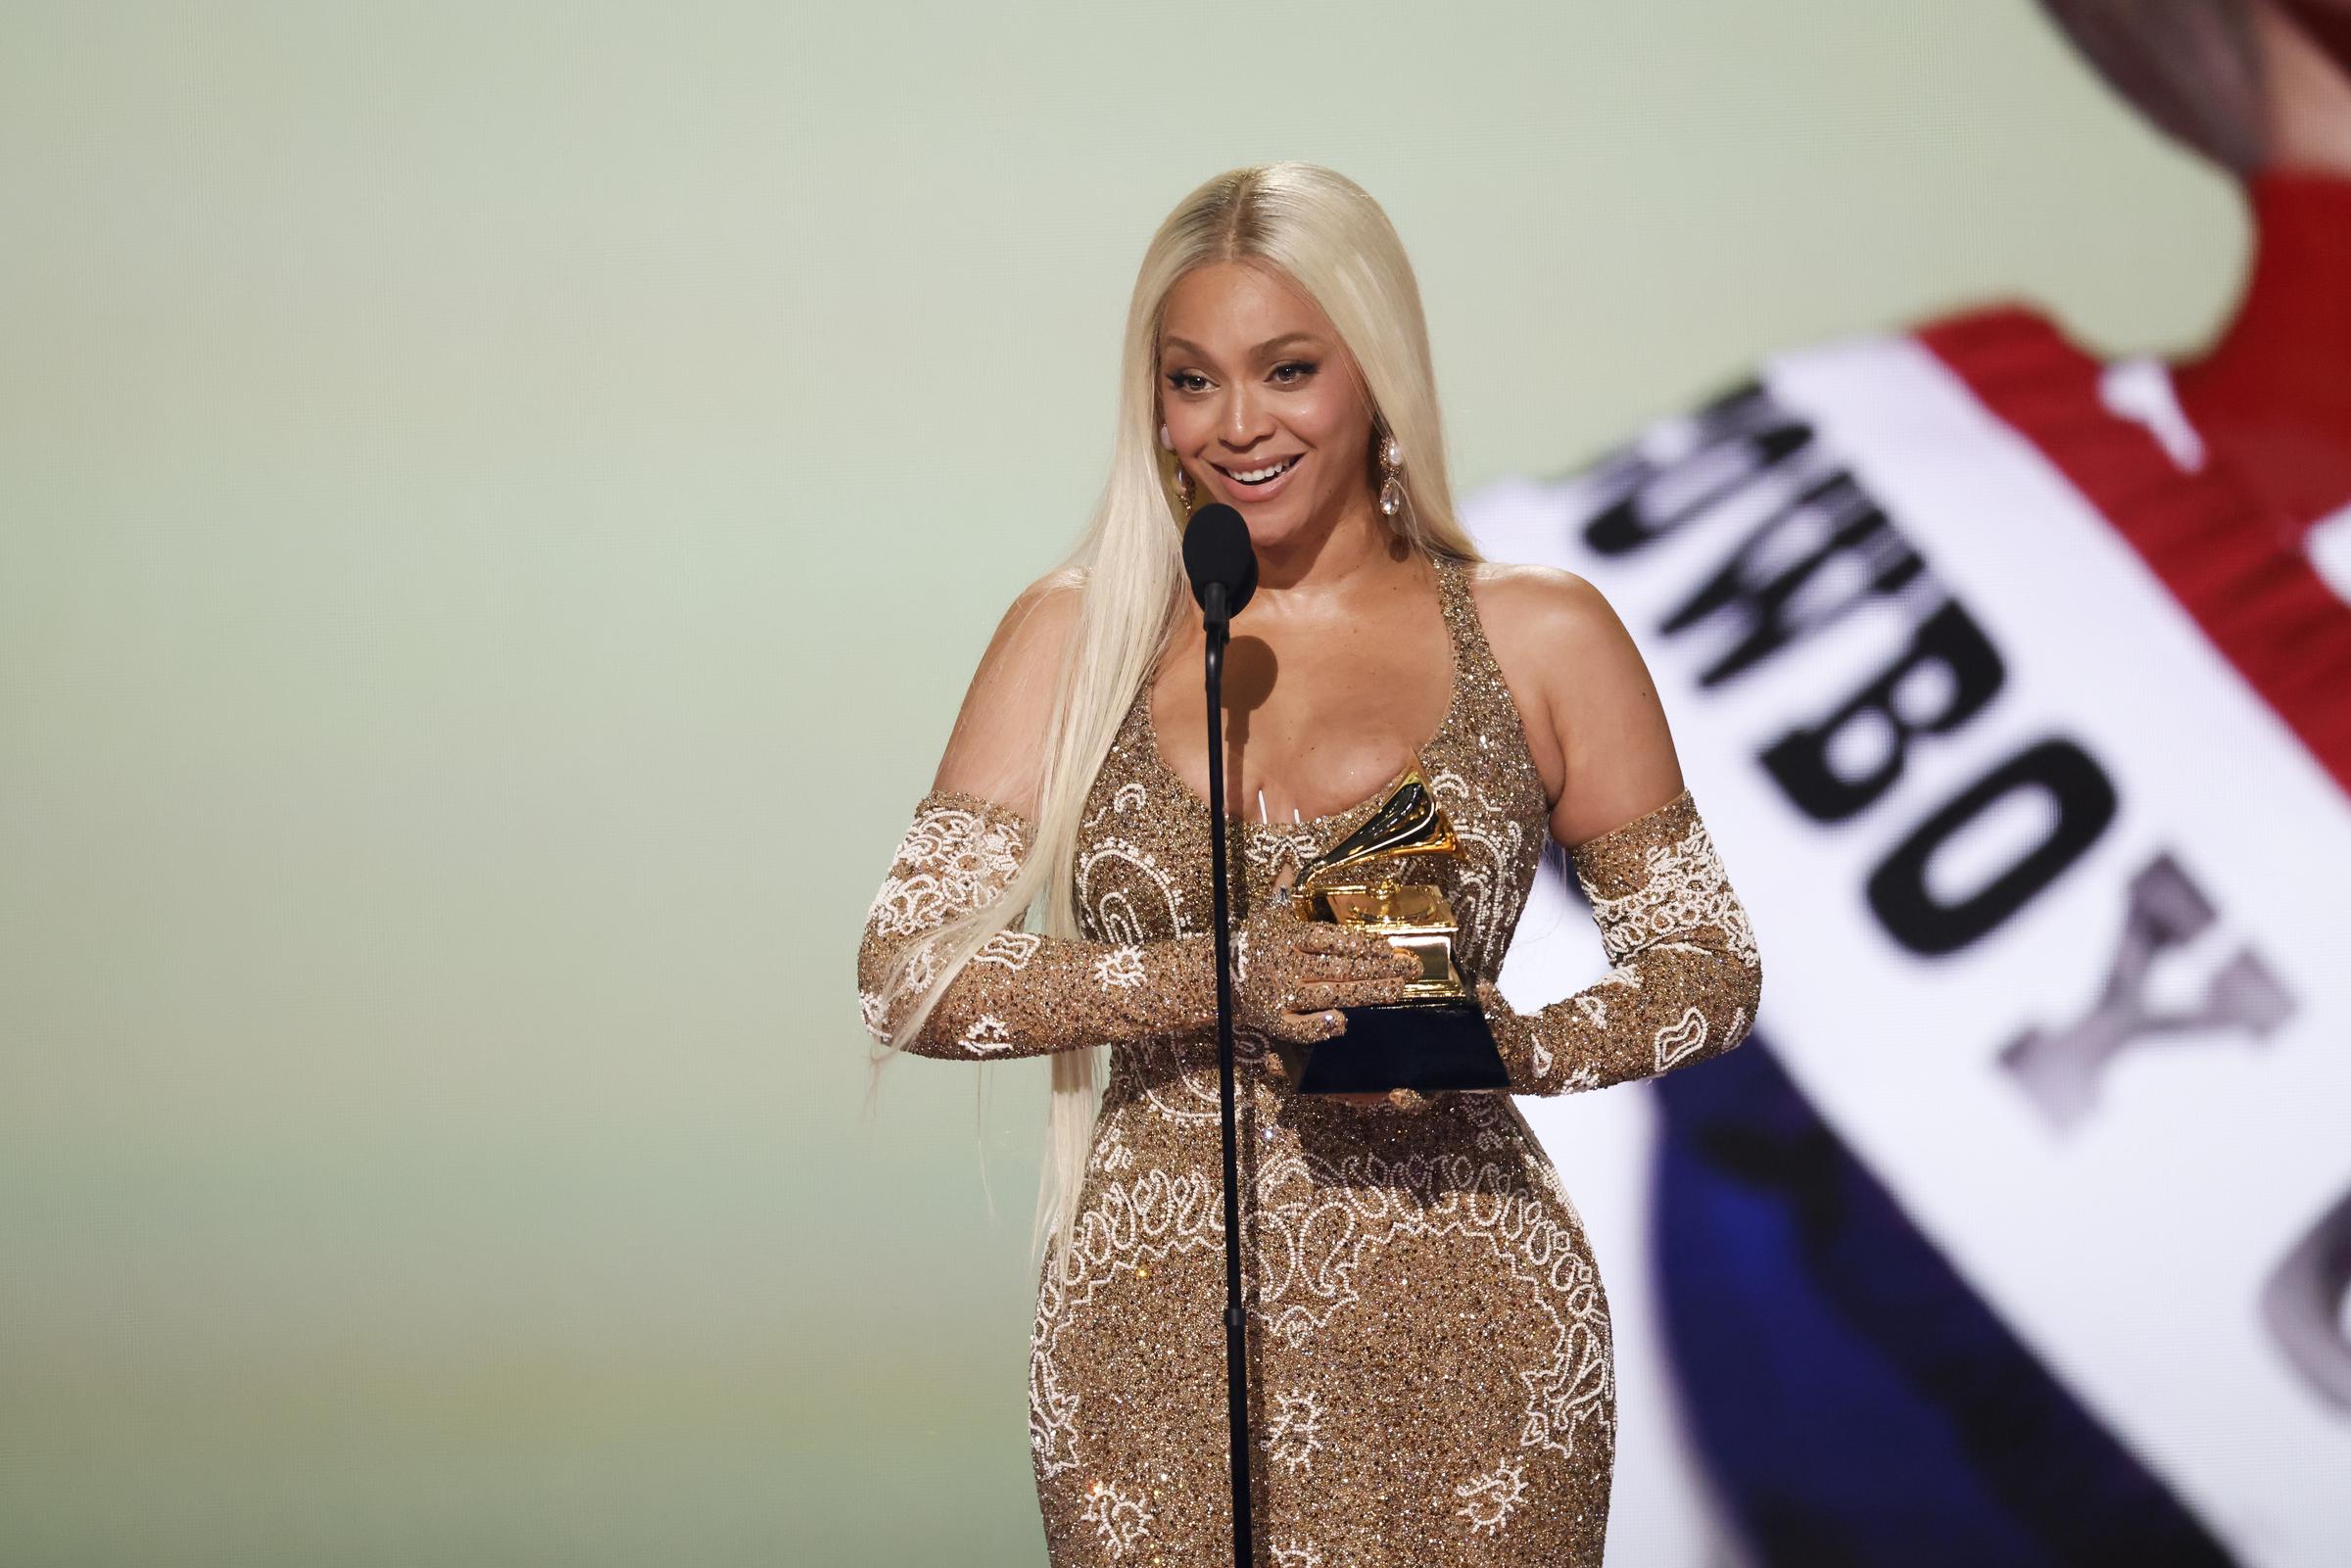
(1292, 975)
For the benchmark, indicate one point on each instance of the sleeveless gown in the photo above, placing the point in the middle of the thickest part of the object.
(1430, 1371)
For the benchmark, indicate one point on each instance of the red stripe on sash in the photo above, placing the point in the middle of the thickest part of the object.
(2210, 540)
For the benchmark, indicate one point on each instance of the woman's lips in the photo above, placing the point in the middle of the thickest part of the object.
(1245, 494)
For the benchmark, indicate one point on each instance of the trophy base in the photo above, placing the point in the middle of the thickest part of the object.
(1428, 1046)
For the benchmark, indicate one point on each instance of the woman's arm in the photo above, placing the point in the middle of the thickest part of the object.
(1685, 974)
(1023, 993)
(1684, 979)
(1020, 994)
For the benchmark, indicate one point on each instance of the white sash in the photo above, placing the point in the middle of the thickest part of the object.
(2123, 1198)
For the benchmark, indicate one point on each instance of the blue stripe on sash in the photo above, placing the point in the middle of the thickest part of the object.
(1857, 1404)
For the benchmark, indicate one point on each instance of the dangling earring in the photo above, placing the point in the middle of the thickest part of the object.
(1391, 477)
(1184, 477)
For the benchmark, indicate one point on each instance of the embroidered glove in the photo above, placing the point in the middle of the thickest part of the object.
(1026, 994)
(1289, 972)
(1020, 994)
(1685, 975)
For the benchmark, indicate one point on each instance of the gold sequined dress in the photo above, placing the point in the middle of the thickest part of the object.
(1430, 1375)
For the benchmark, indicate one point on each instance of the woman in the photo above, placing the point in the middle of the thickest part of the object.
(1430, 1377)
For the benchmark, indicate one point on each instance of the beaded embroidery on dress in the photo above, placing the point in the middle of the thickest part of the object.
(1430, 1377)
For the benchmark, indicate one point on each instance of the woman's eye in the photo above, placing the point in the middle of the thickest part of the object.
(1293, 371)
(1183, 380)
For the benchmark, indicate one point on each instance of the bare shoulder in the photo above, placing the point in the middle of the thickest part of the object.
(1037, 626)
(1522, 601)
(1567, 653)
(996, 749)
(1550, 628)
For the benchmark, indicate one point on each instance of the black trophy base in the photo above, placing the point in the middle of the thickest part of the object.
(1428, 1046)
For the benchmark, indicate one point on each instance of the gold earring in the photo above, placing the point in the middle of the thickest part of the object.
(1391, 477)
(1184, 489)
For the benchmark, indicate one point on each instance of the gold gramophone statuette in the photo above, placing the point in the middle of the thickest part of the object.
(1361, 882)
(1435, 1039)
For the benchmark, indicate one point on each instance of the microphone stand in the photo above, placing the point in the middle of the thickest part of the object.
(1236, 1342)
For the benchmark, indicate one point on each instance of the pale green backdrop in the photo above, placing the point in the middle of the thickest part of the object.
(498, 507)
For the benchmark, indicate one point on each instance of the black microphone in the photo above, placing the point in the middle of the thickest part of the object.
(1223, 566)
(1218, 556)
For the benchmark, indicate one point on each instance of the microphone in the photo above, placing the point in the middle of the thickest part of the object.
(1223, 566)
(1220, 562)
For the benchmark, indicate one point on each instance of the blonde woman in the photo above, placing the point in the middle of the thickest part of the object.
(1430, 1376)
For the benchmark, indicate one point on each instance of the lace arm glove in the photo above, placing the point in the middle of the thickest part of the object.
(1022, 993)
(1025, 994)
(1685, 975)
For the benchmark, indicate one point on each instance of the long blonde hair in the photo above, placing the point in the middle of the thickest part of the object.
(1329, 237)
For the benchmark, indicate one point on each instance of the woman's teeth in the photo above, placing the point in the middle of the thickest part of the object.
(1258, 476)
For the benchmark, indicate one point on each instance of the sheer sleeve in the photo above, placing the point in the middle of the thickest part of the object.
(1022, 993)
(1685, 975)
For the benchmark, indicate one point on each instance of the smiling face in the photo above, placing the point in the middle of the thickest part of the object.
(1262, 402)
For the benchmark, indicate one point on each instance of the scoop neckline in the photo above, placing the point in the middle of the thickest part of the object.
(1452, 708)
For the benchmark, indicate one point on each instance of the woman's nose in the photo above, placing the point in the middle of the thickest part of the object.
(1245, 420)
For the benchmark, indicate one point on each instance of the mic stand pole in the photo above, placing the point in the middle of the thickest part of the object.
(1236, 1340)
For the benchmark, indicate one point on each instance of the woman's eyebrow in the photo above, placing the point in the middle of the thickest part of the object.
(1260, 351)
